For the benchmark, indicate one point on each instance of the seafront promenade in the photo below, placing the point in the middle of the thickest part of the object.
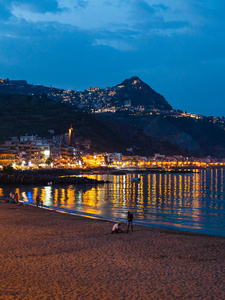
(48, 255)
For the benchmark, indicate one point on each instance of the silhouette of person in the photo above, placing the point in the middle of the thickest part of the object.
(37, 201)
(129, 221)
(16, 198)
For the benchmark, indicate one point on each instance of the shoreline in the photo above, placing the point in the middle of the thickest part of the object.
(83, 215)
(191, 231)
(50, 255)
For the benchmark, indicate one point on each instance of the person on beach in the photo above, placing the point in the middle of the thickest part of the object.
(16, 198)
(129, 221)
(116, 228)
(37, 201)
(11, 197)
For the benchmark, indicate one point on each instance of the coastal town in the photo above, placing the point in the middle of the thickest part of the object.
(71, 150)
(65, 151)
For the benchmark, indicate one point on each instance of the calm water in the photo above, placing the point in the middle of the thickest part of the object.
(191, 202)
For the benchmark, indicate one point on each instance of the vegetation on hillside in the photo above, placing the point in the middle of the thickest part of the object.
(135, 135)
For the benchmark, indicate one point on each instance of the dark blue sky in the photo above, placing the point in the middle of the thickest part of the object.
(177, 47)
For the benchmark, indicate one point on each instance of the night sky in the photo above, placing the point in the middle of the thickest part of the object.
(176, 47)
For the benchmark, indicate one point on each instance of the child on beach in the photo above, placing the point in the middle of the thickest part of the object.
(116, 228)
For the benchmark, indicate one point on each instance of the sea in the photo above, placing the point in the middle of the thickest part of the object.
(192, 202)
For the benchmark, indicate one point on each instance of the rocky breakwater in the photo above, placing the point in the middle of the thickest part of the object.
(45, 179)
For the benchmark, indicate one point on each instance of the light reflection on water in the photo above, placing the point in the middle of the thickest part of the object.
(192, 202)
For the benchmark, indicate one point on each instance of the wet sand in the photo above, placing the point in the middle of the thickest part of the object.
(50, 255)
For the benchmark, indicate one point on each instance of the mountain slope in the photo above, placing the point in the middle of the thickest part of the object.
(20, 115)
(141, 94)
(198, 138)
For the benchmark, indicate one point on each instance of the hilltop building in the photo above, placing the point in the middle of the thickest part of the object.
(94, 89)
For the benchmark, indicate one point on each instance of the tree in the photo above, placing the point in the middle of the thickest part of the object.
(48, 161)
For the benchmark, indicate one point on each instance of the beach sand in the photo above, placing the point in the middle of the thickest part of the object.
(49, 255)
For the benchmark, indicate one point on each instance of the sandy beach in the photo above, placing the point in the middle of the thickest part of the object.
(49, 255)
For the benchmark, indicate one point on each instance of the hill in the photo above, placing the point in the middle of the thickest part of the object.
(130, 93)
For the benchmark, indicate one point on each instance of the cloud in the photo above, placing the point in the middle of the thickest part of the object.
(80, 14)
(144, 7)
(117, 24)
(160, 6)
(170, 32)
(82, 3)
(114, 43)
(103, 15)
(12, 36)
(41, 6)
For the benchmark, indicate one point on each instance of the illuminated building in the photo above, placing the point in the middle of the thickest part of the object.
(7, 158)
